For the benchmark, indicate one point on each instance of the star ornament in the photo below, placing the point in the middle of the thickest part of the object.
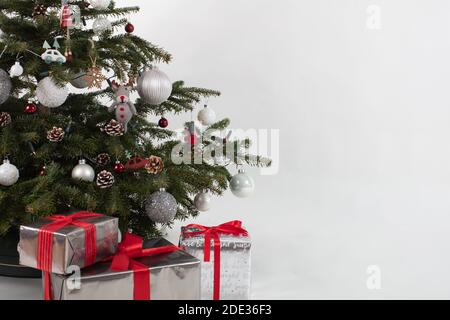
(94, 78)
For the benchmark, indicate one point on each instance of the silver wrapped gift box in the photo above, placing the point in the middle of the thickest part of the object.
(235, 265)
(173, 276)
(69, 243)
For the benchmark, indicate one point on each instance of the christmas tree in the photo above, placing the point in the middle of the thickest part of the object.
(95, 149)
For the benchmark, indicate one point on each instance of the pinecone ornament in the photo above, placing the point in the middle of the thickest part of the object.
(103, 159)
(105, 179)
(5, 119)
(155, 165)
(113, 128)
(39, 10)
(55, 135)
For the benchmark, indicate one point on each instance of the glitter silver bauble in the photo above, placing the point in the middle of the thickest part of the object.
(154, 86)
(50, 94)
(100, 4)
(207, 116)
(9, 174)
(161, 207)
(101, 25)
(83, 172)
(202, 201)
(242, 185)
(16, 70)
(80, 80)
(5, 86)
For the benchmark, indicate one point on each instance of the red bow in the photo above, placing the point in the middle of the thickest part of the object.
(45, 242)
(230, 228)
(129, 249)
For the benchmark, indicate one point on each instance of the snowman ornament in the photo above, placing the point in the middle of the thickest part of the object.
(124, 108)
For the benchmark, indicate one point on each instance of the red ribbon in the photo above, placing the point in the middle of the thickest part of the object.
(45, 242)
(129, 249)
(230, 228)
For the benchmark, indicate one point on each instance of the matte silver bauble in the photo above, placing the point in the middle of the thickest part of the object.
(242, 185)
(154, 87)
(83, 172)
(5, 86)
(50, 94)
(80, 80)
(202, 201)
(161, 207)
(100, 4)
(9, 174)
(101, 25)
(207, 116)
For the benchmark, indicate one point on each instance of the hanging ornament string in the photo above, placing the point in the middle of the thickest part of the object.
(94, 76)
(3, 51)
(66, 21)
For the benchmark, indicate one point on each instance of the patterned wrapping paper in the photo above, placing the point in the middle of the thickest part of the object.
(235, 265)
(69, 243)
(173, 276)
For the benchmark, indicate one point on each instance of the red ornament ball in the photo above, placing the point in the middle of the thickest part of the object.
(30, 108)
(119, 167)
(163, 123)
(129, 28)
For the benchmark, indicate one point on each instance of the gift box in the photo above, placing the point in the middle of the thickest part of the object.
(225, 252)
(149, 270)
(56, 243)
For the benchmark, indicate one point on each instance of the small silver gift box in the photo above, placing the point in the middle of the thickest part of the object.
(173, 276)
(235, 265)
(69, 243)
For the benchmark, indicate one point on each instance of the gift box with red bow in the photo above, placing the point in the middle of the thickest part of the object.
(226, 259)
(58, 243)
(140, 270)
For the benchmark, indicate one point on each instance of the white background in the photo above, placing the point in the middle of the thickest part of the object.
(364, 116)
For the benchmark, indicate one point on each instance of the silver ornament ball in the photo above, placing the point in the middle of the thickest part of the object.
(242, 185)
(83, 172)
(161, 207)
(80, 80)
(100, 4)
(50, 94)
(202, 201)
(154, 86)
(16, 70)
(207, 116)
(9, 174)
(101, 25)
(5, 86)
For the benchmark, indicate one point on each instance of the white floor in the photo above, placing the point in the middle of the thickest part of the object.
(20, 289)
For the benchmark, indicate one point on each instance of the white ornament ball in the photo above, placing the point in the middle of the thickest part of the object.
(161, 207)
(154, 86)
(5, 86)
(80, 80)
(202, 201)
(50, 94)
(16, 70)
(101, 25)
(83, 172)
(207, 116)
(100, 4)
(9, 174)
(242, 185)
